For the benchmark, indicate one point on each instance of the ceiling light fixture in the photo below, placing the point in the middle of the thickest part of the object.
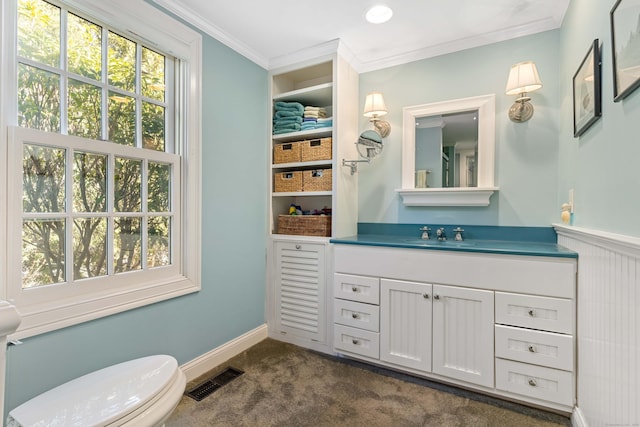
(379, 14)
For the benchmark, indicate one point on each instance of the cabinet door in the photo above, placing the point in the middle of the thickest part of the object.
(405, 324)
(463, 334)
(300, 289)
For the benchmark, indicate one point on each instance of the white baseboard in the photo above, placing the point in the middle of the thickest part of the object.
(202, 364)
(577, 419)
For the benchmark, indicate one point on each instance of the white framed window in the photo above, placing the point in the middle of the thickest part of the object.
(101, 139)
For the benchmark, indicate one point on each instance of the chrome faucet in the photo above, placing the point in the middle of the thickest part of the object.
(441, 234)
(425, 232)
(458, 232)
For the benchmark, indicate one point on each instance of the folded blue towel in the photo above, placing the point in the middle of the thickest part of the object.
(310, 119)
(289, 106)
(308, 126)
(280, 114)
(289, 126)
(324, 125)
(287, 121)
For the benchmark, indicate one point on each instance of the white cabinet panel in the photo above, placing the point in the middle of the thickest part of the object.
(547, 384)
(356, 288)
(537, 347)
(300, 289)
(405, 329)
(356, 314)
(463, 334)
(544, 313)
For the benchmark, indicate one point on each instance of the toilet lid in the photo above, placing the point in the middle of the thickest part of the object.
(100, 397)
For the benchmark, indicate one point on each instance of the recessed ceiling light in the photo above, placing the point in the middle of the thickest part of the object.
(379, 14)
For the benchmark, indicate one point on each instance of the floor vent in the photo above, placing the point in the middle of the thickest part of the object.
(209, 386)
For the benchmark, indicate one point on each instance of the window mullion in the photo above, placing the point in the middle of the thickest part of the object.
(138, 90)
(68, 208)
(105, 86)
(110, 212)
(144, 246)
(64, 75)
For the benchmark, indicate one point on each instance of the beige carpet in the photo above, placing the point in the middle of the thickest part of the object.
(285, 385)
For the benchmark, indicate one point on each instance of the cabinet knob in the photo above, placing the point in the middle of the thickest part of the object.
(298, 246)
(355, 315)
(532, 348)
(532, 382)
(355, 341)
(531, 312)
(436, 296)
(425, 296)
(354, 288)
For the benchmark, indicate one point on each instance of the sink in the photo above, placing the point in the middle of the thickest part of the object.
(438, 243)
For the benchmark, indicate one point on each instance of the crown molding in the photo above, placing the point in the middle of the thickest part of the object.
(192, 18)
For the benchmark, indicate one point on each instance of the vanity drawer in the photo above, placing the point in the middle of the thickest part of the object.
(544, 313)
(537, 347)
(535, 381)
(358, 341)
(357, 315)
(356, 288)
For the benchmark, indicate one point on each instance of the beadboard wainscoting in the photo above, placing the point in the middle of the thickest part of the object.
(608, 326)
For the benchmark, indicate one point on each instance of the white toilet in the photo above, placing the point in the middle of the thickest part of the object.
(141, 392)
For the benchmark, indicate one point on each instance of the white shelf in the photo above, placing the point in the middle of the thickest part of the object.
(301, 193)
(455, 196)
(303, 134)
(318, 95)
(301, 165)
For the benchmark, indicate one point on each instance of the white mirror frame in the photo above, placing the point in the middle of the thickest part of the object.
(451, 196)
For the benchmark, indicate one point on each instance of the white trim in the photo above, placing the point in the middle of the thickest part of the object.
(206, 362)
(577, 418)
(619, 243)
(456, 196)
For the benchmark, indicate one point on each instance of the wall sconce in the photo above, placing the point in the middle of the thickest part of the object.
(523, 78)
(369, 145)
(374, 108)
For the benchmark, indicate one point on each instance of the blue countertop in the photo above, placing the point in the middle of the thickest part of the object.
(531, 241)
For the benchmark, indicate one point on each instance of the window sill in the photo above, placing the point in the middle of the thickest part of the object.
(459, 196)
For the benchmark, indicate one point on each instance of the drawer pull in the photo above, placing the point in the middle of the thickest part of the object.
(298, 246)
(354, 288)
(425, 296)
(532, 382)
(355, 341)
(532, 312)
(532, 348)
(436, 297)
(355, 315)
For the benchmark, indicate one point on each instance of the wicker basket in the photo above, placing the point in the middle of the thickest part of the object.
(316, 149)
(305, 225)
(316, 180)
(287, 181)
(289, 152)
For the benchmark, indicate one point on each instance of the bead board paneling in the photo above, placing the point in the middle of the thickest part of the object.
(608, 326)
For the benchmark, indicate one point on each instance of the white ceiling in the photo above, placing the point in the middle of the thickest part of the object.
(270, 32)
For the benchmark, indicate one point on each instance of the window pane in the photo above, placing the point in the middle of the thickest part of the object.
(122, 62)
(84, 115)
(38, 99)
(152, 126)
(128, 183)
(42, 252)
(89, 247)
(84, 40)
(43, 179)
(159, 242)
(153, 83)
(122, 119)
(39, 31)
(127, 244)
(89, 182)
(158, 189)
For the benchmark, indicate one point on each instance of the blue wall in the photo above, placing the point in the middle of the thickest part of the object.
(232, 299)
(601, 165)
(526, 153)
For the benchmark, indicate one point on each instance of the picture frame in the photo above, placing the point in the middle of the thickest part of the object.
(625, 43)
(587, 90)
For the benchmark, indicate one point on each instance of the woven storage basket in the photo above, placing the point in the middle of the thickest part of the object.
(316, 180)
(305, 225)
(289, 152)
(287, 181)
(316, 149)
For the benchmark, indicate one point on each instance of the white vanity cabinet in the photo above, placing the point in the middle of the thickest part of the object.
(500, 324)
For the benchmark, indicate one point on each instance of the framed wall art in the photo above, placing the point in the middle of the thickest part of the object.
(587, 91)
(625, 42)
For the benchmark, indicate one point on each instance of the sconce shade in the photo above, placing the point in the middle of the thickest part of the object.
(374, 105)
(523, 77)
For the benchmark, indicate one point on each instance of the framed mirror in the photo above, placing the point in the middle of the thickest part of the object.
(448, 153)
